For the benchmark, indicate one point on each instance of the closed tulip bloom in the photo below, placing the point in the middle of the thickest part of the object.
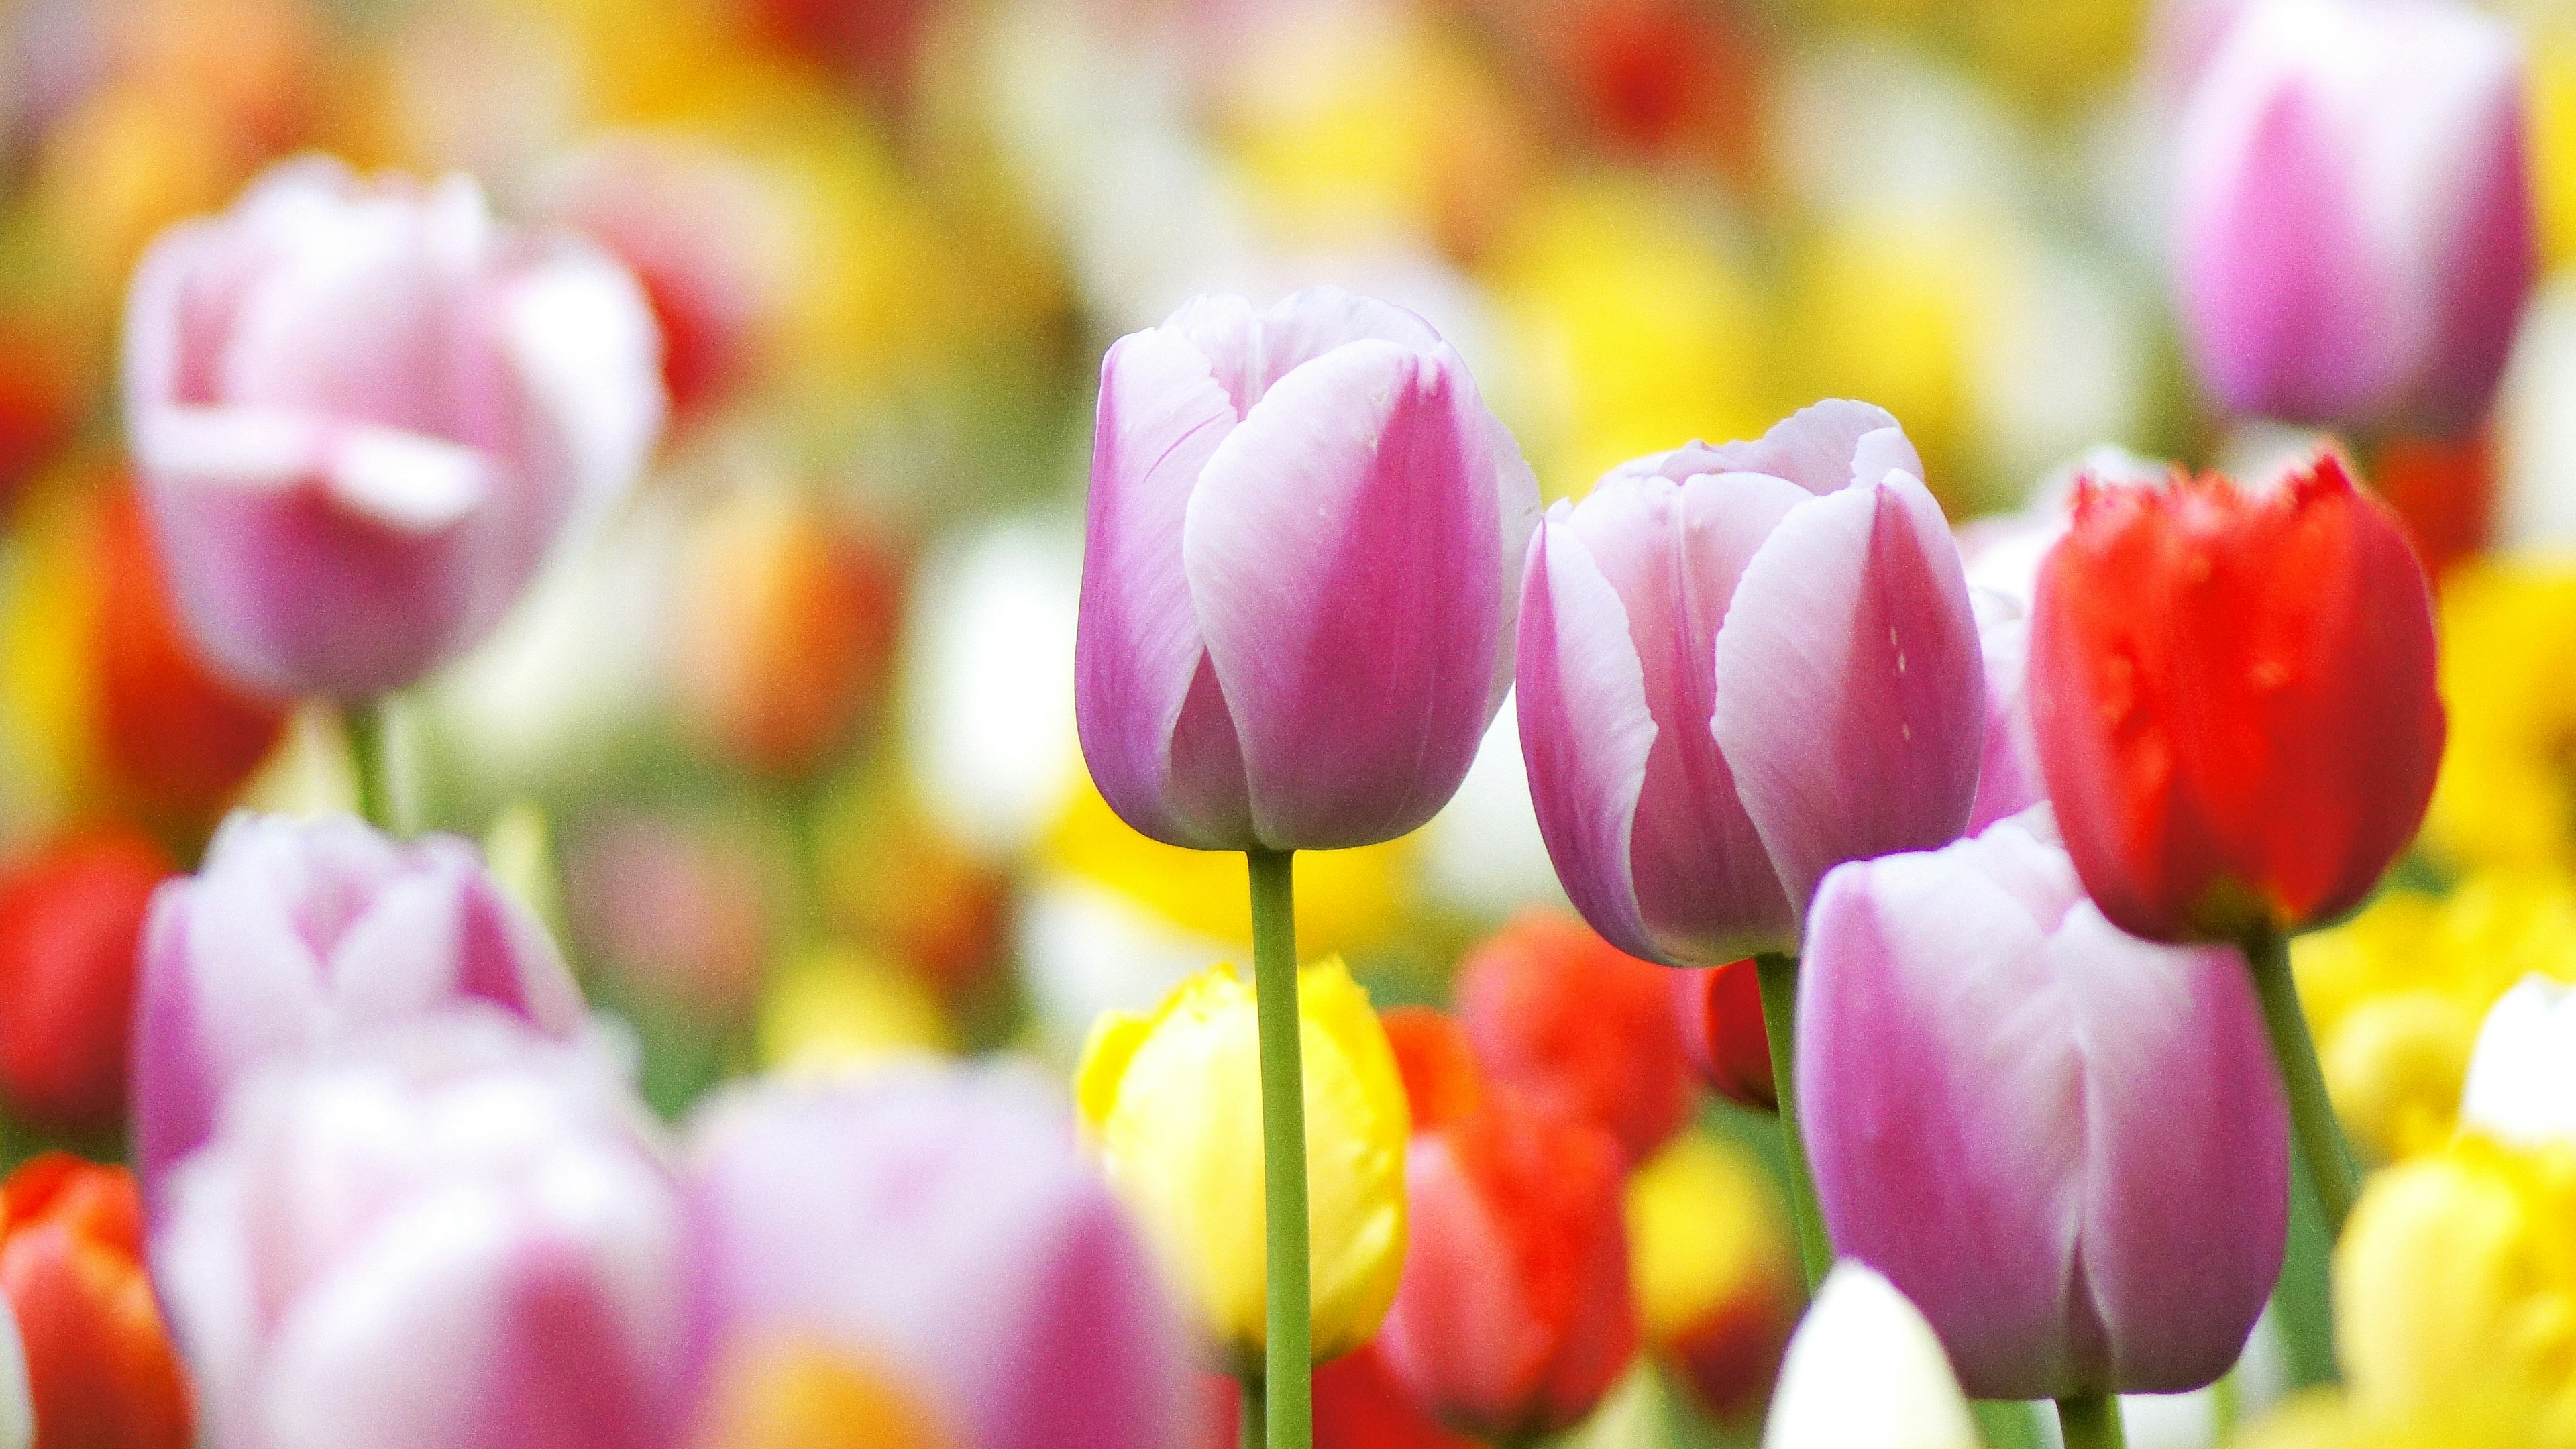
(947, 1230)
(295, 932)
(1306, 535)
(2233, 694)
(1716, 1269)
(1173, 1102)
(451, 1232)
(100, 1371)
(1865, 1372)
(1740, 667)
(71, 919)
(2066, 1145)
(1720, 1010)
(2355, 227)
(2009, 780)
(1580, 1028)
(363, 411)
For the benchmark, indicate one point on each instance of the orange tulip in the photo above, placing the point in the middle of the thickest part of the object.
(100, 1369)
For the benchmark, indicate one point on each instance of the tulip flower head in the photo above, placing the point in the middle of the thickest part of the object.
(1865, 1372)
(1716, 1270)
(2232, 690)
(98, 1366)
(1720, 1010)
(1302, 571)
(1740, 667)
(1582, 1029)
(1173, 1102)
(363, 412)
(71, 920)
(2066, 1145)
(2009, 779)
(2355, 226)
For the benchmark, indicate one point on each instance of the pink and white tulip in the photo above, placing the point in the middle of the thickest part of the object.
(2355, 225)
(2067, 1146)
(1740, 667)
(2008, 774)
(295, 933)
(364, 411)
(1298, 592)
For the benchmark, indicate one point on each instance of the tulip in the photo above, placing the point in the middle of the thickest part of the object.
(2343, 259)
(1716, 1271)
(99, 1369)
(17, 1408)
(948, 1229)
(451, 1231)
(1740, 667)
(2522, 1076)
(295, 932)
(1582, 1029)
(1172, 1100)
(2062, 1143)
(1865, 1372)
(363, 412)
(1301, 577)
(1358, 1405)
(2008, 775)
(71, 920)
(1444, 1081)
(1720, 1009)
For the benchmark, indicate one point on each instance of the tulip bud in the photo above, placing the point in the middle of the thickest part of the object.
(2233, 695)
(1740, 667)
(449, 1232)
(1865, 1372)
(1301, 577)
(295, 932)
(1582, 1029)
(1716, 1269)
(99, 1366)
(2343, 259)
(1720, 1008)
(363, 412)
(71, 923)
(2068, 1147)
(945, 1228)
(2008, 774)
(1173, 1101)
(2522, 1077)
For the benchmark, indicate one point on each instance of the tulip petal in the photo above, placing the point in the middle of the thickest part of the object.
(1820, 448)
(580, 334)
(1261, 347)
(1586, 731)
(1341, 548)
(1850, 690)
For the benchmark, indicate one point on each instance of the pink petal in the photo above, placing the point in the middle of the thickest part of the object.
(1819, 448)
(1252, 350)
(2008, 775)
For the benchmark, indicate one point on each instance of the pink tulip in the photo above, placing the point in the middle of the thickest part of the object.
(2008, 776)
(1740, 667)
(946, 1227)
(364, 411)
(1304, 562)
(2356, 230)
(454, 1232)
(2066, 1145)
(294, 933)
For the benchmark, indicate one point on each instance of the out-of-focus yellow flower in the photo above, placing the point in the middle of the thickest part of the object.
(835, 1008)
(2508, 786)
(2396, 995)
(793, 1394)
(46, 605)
(1713, 1268)
(2553, 139)
(2329, 1419)
(1174, 1102)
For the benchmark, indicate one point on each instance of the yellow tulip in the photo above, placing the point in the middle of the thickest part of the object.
(1715, 1275)
(837, 1008)
(1173, 1102)
(796, 1394)
(2506, 795)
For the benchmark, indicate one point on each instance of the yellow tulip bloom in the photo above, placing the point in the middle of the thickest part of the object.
(2506, 794)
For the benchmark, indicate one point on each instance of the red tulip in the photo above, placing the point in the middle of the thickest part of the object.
(71, 922)
(2233, 692)
(1358, 1405)
(1720, 1008)
(100, 1370)
(1443, 1081)
(1580, 1027)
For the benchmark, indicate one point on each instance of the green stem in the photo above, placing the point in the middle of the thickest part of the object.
(2225, 1403)
(1249, 1436)
(1291, 1361)
(364, 723)
(2091, 1421)
(1778, 974)
(2312, 1116)
(2006, 1423)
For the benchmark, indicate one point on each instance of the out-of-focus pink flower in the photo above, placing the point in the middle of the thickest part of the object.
(297, 932)
(948, 1227)
(1740, 667)
(2008, 776)
(2356, 230)
(2066, 1145)
(363, 412)
(1304, 560)
(450, 1232)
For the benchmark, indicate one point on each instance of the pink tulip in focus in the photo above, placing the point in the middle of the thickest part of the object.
(1306, 535)
(2066, 1145)
(363, 411)
(2356, 229)
(1739, 668)
(294, 933)
(949, 1228)
(451, 1233)
(2008, 776)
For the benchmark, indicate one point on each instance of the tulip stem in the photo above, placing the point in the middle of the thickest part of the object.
(2091, 1421)
(363, 721)
(1287, 1385)
(1249, 1436)
(1778, 973)
(2312, 1115)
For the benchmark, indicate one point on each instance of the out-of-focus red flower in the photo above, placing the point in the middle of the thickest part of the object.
(1358, 1405)
(71, 924)
(100, 1369)
(1580, 1027)
(877, 42)
(1443, 1081)
(2445, 489)
(2233, 694)
(39, 404)
(175, 739)
(1720, 1009)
